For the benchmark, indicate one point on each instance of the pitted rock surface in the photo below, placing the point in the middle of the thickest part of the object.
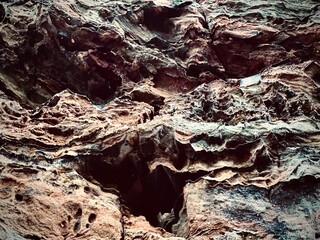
(159, 119)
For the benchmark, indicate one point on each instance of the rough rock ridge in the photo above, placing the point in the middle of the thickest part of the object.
(163, 119)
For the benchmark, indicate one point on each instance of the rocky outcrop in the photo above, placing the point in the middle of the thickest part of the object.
(159, 120)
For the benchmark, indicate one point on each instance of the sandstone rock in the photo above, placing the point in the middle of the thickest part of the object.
(159, 119)
(47, 202)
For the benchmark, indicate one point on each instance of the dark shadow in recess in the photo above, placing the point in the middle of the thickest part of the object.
(145, 193)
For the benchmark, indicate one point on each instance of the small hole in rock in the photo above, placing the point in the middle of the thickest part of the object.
(86, 189)
(77, 225)
(92, 217)
(33, 237)
(317, 235)
(63, 224)
(79, 213)
(87, 225)
(19, 197)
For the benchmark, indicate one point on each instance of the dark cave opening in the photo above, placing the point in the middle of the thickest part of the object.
(156, 194)
(158, 18)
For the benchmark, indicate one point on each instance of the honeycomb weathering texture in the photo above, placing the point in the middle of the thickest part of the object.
(159, 119)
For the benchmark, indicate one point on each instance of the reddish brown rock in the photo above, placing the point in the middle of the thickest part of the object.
(159, 119)
(39, 201)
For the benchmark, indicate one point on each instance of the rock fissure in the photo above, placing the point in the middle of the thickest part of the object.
(156, 194)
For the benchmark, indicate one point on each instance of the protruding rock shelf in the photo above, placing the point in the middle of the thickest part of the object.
(159, 119)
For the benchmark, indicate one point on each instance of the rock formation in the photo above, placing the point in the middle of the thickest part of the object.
(164, 119)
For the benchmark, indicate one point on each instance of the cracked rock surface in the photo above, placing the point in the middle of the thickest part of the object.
(163, 119)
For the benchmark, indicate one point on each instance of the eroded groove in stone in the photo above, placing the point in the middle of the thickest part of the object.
(159, 119)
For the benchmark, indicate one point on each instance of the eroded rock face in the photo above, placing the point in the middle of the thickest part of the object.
(159, 120)
(43, 202)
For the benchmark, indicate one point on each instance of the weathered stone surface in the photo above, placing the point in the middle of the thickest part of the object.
(238, 211)
(159, 119)
(45, 202)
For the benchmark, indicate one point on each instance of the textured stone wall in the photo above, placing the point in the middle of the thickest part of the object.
(159, 119)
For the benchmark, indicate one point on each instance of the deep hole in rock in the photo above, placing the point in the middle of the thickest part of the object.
(79, 213)
(33, 237)
(77, 226)
(18, 197)
(151, 194)
(158, 18)
(63, 224)
(34, 37)
(195, 70)
(92, 217)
